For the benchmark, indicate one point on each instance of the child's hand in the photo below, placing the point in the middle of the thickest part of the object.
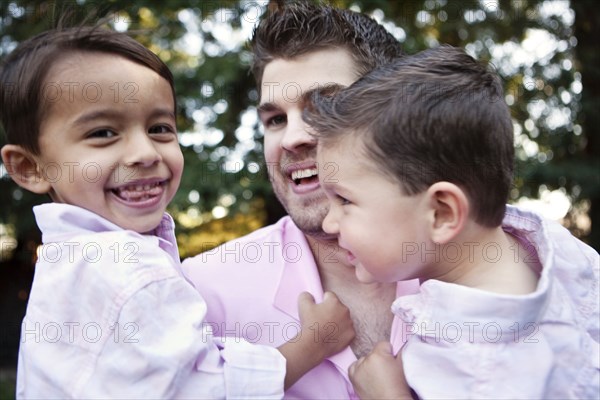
(328, 324)
(380, 375)
(326, 330)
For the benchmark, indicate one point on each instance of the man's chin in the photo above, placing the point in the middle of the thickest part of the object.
(308, 213)
(308, 224)
(309, 219)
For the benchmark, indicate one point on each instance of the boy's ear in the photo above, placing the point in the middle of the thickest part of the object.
(449, 211)
(24, 169)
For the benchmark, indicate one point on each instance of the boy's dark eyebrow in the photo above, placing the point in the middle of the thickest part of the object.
(163, 112)
(159, 112)
(87, 117)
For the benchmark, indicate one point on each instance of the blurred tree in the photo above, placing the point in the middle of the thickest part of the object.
(545, 51)
(202, 41)
(531, 43)
(586, 32)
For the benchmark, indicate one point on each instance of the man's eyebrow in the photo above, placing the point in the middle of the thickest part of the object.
(266, 107)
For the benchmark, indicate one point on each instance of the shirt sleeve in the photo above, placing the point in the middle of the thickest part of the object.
(161, 348)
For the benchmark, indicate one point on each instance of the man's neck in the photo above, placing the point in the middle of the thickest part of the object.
(369, 303)
(332, 261)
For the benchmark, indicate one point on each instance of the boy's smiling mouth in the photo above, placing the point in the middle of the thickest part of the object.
(139, 192)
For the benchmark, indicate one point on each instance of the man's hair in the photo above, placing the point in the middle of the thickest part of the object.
(436, 116)
(303, 27)
(23, 73)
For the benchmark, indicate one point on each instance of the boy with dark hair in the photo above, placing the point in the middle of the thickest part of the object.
(416, 159)
(90, 120)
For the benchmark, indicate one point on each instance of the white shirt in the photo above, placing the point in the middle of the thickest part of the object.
(472, 344)
(267, 269)
(109, 316)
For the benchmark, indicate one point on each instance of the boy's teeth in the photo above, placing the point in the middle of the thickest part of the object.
(138, 192)
(138, 188)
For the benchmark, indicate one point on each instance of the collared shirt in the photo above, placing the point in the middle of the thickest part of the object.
(469, 343)
(251, 286)
(110, 316)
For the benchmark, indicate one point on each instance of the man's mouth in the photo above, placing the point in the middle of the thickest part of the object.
(302, 176)
(139, 192)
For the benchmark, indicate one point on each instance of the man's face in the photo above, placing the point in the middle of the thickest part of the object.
(290, 151)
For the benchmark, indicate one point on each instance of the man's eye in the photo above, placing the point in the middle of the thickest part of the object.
(102, 133)
(275, 121)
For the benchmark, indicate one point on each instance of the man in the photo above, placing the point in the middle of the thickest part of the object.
(251, 284)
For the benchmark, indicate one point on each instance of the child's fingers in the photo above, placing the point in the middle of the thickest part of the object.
(329, 296)
(354, 365)
(305, 300)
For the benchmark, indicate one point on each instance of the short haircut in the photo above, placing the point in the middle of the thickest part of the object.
(24, 70)
(439, 115)
(302, 27)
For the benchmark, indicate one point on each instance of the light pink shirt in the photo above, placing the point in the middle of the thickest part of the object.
(109, 316)
(472, 344)
(251, 286)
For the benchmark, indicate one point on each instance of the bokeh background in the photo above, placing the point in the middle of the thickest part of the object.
(546, 52)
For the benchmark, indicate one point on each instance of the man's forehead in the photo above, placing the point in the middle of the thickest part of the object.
(274, 93)
(292, 91)
(287, 80)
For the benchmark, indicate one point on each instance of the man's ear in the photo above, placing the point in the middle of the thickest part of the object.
(449, 211)
(24, 169)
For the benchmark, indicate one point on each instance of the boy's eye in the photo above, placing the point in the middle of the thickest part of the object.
(342, 200)
(102, 133)
(161, 129)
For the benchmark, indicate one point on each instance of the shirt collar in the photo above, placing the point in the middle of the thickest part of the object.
(59, 222)
(448, 303)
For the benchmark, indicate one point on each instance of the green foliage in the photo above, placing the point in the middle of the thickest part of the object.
(7, 389)
(544, 82)
(215, 96)
(215, 89)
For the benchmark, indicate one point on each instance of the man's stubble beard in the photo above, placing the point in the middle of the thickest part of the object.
(310, 219)
(307, 215)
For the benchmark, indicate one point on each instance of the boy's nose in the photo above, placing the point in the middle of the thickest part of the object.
(142, 151)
